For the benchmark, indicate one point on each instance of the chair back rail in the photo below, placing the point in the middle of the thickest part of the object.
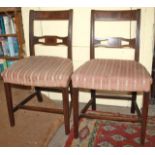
(115, 42)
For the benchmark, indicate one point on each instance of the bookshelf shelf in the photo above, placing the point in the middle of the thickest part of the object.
(11, 34)
(8, 35)
(10, 58)
(9, 9)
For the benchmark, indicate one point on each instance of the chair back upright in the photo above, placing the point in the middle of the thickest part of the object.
(115, 42)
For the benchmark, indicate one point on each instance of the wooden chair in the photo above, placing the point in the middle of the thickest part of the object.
(48, 73)
(111, 75)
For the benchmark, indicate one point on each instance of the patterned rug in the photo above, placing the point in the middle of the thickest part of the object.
(97, 133)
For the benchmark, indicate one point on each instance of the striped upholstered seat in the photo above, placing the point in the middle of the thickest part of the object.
(50, 72)
(112, 75)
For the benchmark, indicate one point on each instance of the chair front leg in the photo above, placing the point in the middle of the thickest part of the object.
(144, 116)
(75, 98)
(66, 110)
(9, 101)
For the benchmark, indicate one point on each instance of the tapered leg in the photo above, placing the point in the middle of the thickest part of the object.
(8, 95)
(93, 93)
(75, 111)
(144, 117)
(134, 96)
(66, 110)
(39, 95)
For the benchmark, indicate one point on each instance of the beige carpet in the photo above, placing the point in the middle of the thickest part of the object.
(31, 128)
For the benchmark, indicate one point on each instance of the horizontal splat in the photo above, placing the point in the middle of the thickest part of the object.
(51, 40)
(114, 42)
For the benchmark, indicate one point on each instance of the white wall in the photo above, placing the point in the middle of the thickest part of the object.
(81, 38)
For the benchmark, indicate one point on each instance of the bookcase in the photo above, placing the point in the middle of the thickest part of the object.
(11, 36)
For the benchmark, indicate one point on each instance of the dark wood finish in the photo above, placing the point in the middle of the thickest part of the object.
(110, 117)
(8, 93)
(75, 98)
(5, 10)
(16, 13)
(146, 98)
(137, 35)
(71, 99)
(90, 102)
(23, 102)
(66, 110)
(38, 93)
(134, 96)
(19, 32)
(93, 94)
(9, 58)
(8, 35)
(22, 105)
(32, 39)
(53, 41)
(114, 97)
(137, 109)
(42, 109)
(114, 42)
(153, 76)
(51, 15)
(124, 15)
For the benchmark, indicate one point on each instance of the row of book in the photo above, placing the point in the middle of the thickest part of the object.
(8, 44)
(7, 24)
(5, 64)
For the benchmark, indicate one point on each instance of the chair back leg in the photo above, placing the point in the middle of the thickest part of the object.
(133, 102)
(39, 95)
(93, 93)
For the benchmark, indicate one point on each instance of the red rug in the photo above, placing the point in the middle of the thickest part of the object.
(96, 133)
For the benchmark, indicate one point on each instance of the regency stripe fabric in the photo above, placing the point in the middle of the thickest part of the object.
(43, 71)
(112, 75)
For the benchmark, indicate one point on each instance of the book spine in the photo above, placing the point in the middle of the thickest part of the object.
(1, 50)
(1, 68)
(5, 47)
(2, 25)
(3, 65)
(11, 46)
(7, 24)
(12, 25)
(16, 46)
(12, 42)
